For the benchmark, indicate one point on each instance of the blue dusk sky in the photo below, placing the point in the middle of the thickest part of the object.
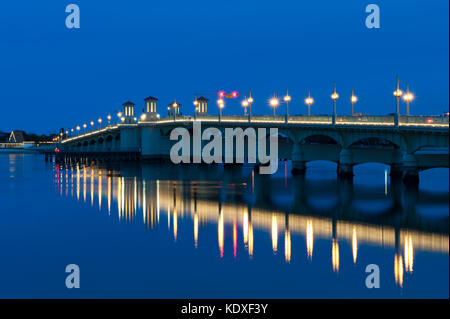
(53, 77)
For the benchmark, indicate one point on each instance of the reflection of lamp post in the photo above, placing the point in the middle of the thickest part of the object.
(221, 106)
(353, 99)
(309, 100)
(334, 96)
(250, 102)
(408, 97)
(274, 103)
(287, 99)
(397, 93)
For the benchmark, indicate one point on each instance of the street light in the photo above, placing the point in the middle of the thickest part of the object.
(309, 100)
(274, 103)
(221, 106)
(92, 124)
(334, 96)
(398, 93)
(287, 99)
(84, 127)
(109, 119)
(250, 101)
(78, 129)
(174, 108)
(245, 104)
(353, 99)
(408, 97)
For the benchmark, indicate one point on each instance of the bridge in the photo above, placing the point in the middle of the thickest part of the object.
(408, 144)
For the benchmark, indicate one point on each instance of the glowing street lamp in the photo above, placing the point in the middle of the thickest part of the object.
(398, 93)
(78, 129)
(250, 102)
(408, 97)
(274, 103)
(221, 104)
(84, 127)
(109, 119)
(174, 109)
(353, 99)
(100, 123)
(334, 97)
(287, 99)
(245, 104)
(309, 100)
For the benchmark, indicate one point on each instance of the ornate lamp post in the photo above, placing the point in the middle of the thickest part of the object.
(353, 99)
(287, 99)
(408, 97)
(397, 93)
(250, 102)
(221, 104)
(245, 104)
(334, 97)
(309, 100)
(274, 103)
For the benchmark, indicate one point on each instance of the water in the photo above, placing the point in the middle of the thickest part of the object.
(162, 231)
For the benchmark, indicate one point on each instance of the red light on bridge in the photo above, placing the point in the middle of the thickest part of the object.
(221, 94)
(429, 121)
(234, 94)
(56, 150)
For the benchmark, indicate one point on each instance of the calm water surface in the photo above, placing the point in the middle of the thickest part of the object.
(147, 231)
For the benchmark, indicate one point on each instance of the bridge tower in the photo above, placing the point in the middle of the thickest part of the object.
(150, 108)
(202, 107)
(128, 113)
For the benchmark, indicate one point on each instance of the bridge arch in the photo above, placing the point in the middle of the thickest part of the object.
(353, 137)
(298, 136)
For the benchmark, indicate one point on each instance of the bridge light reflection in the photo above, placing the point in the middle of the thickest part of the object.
(220, 233)
(335, 255)
(398, 269)
(354, 245)
(287, 246)
(131, 194)
(409, 254)
(274, 234)
(309, 239)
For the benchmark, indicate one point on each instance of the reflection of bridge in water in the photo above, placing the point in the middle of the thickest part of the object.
(251, 202)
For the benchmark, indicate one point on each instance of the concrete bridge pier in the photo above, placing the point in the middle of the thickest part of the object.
(410, 170)
(345, 166)
(298, 162)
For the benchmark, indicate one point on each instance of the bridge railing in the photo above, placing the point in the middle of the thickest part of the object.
(365, 120)
(424, 120)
